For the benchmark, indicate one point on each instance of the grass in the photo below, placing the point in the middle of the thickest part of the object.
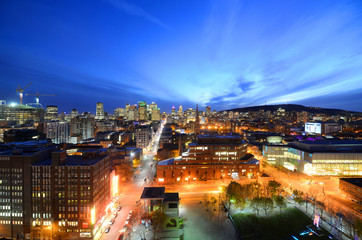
(276, 226)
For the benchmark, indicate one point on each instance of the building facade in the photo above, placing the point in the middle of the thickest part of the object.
(210, 158)
(336, 157)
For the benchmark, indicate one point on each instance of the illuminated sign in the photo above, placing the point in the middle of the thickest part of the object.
(93, 215)
(315, 128)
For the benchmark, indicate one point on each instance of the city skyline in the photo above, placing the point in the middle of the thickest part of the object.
(223, 54)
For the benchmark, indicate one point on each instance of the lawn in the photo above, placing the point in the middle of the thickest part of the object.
(275, 226)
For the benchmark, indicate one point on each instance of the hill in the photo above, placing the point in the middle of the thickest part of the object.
(294, 107)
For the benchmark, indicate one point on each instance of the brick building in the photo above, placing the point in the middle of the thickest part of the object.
(211, 157)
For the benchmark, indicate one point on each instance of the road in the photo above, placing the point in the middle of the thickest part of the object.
(130, 192)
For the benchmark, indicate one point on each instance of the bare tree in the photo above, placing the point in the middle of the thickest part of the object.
(267, 204)
(256, 204)
(280, 202)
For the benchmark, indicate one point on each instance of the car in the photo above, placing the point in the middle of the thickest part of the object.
(111, 222)
(107, 230)
(121, 236)
(118, 208)
(115, 214)
(130, 213)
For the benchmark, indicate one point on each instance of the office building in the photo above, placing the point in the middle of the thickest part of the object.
(99, 111)
(21, 114)
(82, 127)
(58, 132)
(143, 136)
(80, 185)
(16, 196)
(142, 111)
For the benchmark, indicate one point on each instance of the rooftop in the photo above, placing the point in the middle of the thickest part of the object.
(75, 160)
(171, 197)
(153, 193)
(354, 181)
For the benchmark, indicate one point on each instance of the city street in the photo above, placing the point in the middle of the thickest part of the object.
(131, 192)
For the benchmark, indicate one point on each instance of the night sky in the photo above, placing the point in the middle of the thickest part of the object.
(225, 53)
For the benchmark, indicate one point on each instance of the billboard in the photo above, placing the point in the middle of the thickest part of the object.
(311, 127)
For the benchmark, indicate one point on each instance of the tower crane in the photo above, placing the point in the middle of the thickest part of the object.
(37, 96)
(20, 91)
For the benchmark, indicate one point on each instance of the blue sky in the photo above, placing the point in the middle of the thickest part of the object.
(221, 53)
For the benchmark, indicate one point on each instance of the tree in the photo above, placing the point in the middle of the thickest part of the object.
(358, 227)
(256, 204)
(234, 193)
(298, 196)
(280, 202)
(266, 204)
(158, 219)
(273, 187)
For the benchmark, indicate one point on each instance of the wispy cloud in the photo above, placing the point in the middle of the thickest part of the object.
(134, 10)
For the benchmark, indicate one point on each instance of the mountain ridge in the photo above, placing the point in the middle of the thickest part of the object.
(293, 107)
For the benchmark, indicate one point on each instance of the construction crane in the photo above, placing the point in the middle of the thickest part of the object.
(20, 91)
(37, 96)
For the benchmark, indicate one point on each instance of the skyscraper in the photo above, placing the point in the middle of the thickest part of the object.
(142, 111)
(100, 111)
(197, 121)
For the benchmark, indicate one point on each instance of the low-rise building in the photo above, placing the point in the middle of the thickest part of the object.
(352, 187)
(210, 158)
(319, 157)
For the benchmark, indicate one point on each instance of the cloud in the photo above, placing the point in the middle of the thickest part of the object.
(134, 10)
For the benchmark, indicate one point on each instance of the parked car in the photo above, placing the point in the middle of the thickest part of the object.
(121, 236)
(107, 229)
(111, 222)
(118, 208)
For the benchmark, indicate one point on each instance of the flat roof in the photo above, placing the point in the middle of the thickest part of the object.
(171, 197)
(354, 181)
(153, 193)
(74, 160)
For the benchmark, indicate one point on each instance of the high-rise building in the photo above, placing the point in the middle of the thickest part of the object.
(100, 111)
(156, 115)
(51, 112)
(132, 113)
(142, 111)
(197, 121)
(16, 192)
(21, 114)
(74, 113)
(120, 112)
(173, 111)
(143, 136)
(180, 111)
(81, 188)
(58, 132)
(208, 111)
(82, 127)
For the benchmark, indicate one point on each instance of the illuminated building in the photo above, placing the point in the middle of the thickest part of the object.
(155, 115)
(16, 185)
(143, 136)
(58, 132)
(197, 121)
(82, 127)
(74, 113)
(180, 111)
(80, 186)
(211, 157)
(132, 113)
(21, 114)
(208, 111)
(352, 188)
(142, 111)
(173, 111)
(120, 112)
(338, 157)
(99, 111)
(51, 112)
